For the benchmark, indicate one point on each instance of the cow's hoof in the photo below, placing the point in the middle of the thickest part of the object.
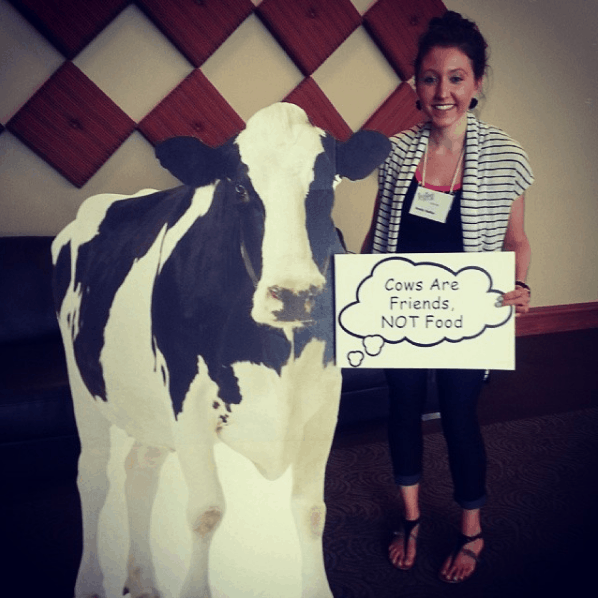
(152, 593)
(140, 582)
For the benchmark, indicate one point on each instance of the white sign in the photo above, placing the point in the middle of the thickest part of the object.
(425, 310)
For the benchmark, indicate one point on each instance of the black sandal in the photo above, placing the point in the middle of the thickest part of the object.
(405, 533)
(460, 549)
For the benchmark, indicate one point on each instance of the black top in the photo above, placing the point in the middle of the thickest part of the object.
(421, 235)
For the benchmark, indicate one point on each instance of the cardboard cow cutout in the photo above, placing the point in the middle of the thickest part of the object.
(202, 314)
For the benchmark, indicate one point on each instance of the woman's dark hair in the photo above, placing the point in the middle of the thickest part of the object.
(454, 31)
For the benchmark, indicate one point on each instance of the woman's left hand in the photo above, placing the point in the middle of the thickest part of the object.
(519, 298)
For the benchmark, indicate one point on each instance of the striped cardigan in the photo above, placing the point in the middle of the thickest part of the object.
(496, 172)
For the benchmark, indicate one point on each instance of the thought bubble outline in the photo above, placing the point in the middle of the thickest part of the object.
(350, 360)
(443, 267)
(367, 345)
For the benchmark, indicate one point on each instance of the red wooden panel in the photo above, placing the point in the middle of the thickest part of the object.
(195, 108)
(70, 24)
(322, 113)
(397, 113)
(396, 25)
(197, 27)
(309, 30)
(72, 124)
(557, 318)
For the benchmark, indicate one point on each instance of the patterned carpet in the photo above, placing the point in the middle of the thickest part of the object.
(540, 522)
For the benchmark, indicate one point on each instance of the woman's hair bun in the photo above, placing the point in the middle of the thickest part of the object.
(450, 19)
(453, 23)
(453, 30)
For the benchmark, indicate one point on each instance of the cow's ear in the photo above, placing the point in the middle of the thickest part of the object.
(361, 154)
(193, 162)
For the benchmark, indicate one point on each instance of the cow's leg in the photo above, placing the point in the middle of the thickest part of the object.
(195, 436)
(205, 511)
(143, 466)
(308, 485)
(93, 484)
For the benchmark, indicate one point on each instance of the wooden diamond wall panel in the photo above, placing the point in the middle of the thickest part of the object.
(72, 124)
(309, 31)
(70, 24)
(195, 108)
(396, 25)
(397, 113)
(75, 127)
(197, 27)
(322, 113)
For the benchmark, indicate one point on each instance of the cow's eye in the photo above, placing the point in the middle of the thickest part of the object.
(242, 193)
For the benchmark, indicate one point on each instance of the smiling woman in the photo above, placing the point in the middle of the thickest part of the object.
(476, 176)
(446, 88)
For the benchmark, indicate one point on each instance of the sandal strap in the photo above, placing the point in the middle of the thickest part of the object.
(463, 539)
(470, 553)
(409, 525)
(407, 529)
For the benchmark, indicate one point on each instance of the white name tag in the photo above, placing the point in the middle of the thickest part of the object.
(431, 204)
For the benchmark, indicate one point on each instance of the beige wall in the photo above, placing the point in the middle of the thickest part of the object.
(542, 91)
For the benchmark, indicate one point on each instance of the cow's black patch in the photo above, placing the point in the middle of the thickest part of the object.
(319, 205)
(195, 163)
(62, 276)
(324, 242)
(203, 297)
(127, 232)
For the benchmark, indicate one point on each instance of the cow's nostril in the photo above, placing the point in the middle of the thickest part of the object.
(276, 293)
(286, 295)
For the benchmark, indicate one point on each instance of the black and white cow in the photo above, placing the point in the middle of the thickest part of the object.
(204, 313)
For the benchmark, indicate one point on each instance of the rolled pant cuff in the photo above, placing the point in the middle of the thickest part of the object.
(472, 504)
(408, 480)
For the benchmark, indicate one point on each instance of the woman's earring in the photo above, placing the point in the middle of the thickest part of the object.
(473, 104)
(418, 105)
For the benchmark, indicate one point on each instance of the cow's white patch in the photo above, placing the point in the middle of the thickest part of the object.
(257, 428)
(268, 425)
(70, 309)
(279, 147)
(198, 416)
(136, 380)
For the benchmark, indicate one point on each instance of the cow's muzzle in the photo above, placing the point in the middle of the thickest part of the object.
(297, 307)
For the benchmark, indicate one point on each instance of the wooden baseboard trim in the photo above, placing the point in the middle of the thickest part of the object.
(557, 318)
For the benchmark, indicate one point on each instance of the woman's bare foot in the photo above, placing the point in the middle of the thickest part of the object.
(460, 565)
(402, 550)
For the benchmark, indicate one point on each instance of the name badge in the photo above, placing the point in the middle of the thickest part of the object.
(430, 204)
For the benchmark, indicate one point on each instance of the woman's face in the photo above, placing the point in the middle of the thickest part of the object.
(446, 85)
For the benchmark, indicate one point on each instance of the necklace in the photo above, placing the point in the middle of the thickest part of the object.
(431, 204)
(455, 174)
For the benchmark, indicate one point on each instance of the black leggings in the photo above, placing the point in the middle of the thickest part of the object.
(458, 398)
